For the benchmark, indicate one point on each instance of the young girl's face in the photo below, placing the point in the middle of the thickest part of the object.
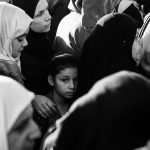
(65, 82)
(18, 44)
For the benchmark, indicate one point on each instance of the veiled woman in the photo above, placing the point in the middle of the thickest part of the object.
(109, 49)
(14, 26)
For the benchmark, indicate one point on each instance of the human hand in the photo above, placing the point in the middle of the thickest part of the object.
(44, 106)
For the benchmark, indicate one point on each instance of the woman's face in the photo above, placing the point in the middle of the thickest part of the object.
(65, 83)
(24, 132)
(18, 44)
(42, 19)
(137, 49)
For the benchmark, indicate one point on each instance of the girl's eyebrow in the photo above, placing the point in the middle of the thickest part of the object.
(65, 76)
(39, 12)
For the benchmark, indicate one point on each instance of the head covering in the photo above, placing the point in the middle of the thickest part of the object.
(13, 23)
(91, 11)
(114, 115)
(14, 98)
(131, 8)
(107, 50)
(28, 6)
(36, 54)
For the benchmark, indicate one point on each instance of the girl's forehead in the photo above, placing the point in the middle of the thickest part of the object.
(69, 71)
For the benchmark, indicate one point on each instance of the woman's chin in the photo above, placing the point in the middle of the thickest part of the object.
(47, 29)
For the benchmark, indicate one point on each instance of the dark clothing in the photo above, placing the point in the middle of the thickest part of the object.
(28, 6)
(107, 50)
(35, 60)
(112, 116)
(135, 14)
(45, 124)
(130, 8)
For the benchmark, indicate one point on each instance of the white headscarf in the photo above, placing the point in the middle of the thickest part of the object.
(14, 98)
(13, 23)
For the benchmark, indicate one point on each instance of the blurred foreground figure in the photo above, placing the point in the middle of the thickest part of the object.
(113, 115)
(18, 131)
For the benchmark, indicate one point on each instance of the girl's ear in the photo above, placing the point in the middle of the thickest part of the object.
(50, 80)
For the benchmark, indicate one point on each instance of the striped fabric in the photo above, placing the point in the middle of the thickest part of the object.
(144, 25)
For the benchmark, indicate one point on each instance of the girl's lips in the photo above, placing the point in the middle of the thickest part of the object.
(70, 93)
(48, 25)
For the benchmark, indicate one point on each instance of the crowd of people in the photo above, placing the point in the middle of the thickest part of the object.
(74, 74)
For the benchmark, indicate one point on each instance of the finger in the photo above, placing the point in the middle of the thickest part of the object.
(42, 114)
(43, 110)
(50, 103)
(47, 109)
(52, 106)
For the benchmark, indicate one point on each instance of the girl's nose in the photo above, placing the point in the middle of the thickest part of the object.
(36, 133)
(25, 43)
(71, 85)
(48, 16)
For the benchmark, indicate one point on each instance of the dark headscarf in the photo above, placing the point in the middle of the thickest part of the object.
(114, 115)
(135, 13)
(107, 50)
(28, 6)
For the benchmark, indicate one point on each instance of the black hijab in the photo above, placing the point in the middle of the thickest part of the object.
(28, 6)
(107, 50)
(114, 115)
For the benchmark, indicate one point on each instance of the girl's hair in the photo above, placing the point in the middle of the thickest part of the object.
(61, 62)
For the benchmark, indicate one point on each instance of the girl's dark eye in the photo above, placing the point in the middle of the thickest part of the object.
(40, 14)
(75, 79)
(20, 39)
(23, 125)
(65, 80)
